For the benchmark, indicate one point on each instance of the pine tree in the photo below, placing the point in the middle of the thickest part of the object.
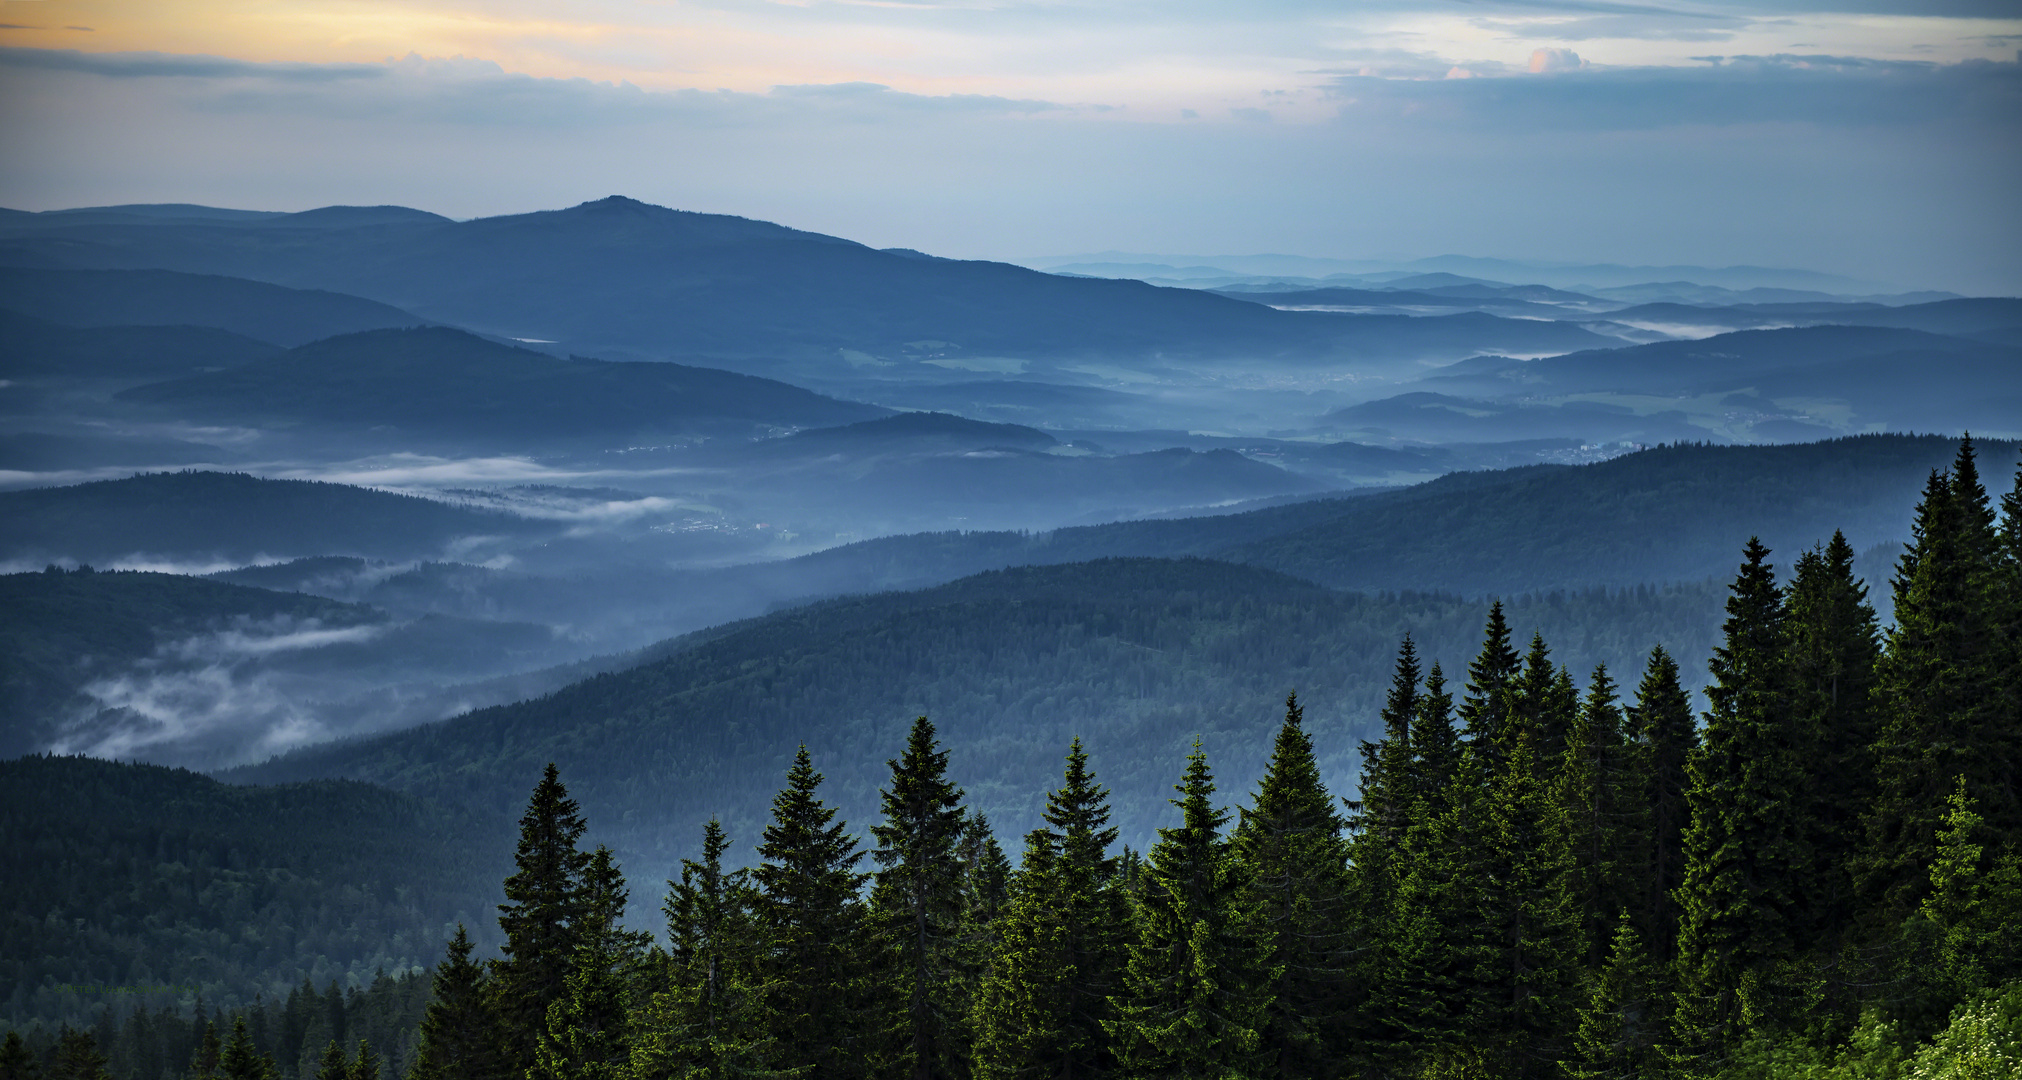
(1666, 741)
(1623, 1021)
(1195, 994)
(543, 918)
(811, 924)
(1290, 848)
(986, 882)
(1393, 776)
(459, 1037)
(916, 913)
(1746, 851)
(1833, 648)
(1943, 687)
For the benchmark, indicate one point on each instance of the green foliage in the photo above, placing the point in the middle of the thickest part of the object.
(916, 909)
(811, 923)
(545, 918)
(460, 1037)
(171, 886)
(1196, 992)
(1289, 845)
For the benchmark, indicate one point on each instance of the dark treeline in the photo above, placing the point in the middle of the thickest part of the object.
(1542, 877)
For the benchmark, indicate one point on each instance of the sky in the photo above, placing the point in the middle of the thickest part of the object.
(1877, 139)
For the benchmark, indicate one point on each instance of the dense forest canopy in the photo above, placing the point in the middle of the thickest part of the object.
(1543, 873)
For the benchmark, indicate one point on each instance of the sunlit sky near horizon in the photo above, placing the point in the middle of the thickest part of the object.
(1871, 138)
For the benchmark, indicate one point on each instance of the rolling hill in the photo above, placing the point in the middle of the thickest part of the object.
(231, 517)
(154, 297)
(434, 383)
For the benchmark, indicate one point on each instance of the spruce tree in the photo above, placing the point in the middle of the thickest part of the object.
(1623, 1022)
(1195, 995)
(1530, 948)
(1666, 741)
(1832, 651)
(1024, 1017)
(587, 1035)
(1747, 856)
(1592, 792)
(1387, 784)
(334, 1065)
(916, 914)
(811, 925)
(17, 1062)
(1486, 711)
(1062, 942)
(210, 1048)
(1289, 845)
(1435, 745)
(459, 1037)
(1942, 684)
(77, 1057)
(364, 1066)
(239, 1060)
(705, 1023)
(1975, 901)
(542, 918)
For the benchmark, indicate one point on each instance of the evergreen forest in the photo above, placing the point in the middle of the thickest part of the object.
(1544, 873)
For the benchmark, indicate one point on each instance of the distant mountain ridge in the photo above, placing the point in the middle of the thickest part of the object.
(435, 381)
(626, 280)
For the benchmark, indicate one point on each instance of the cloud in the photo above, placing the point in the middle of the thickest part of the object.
(1829, 91)
(140, 65)
(1543, 60)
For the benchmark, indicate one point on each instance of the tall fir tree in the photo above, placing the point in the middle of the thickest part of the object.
(1196, 991)
(1666, 740)
(916, 911)
(1289, 845)
(1746, 850)
(459, 1037)
(542, 917)
(1943, 688)
(1832, 650)
(811, 925)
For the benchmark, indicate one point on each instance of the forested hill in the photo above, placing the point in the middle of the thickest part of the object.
(1669, 513)
(235, 518)
(171, 882)
(1136, 655)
